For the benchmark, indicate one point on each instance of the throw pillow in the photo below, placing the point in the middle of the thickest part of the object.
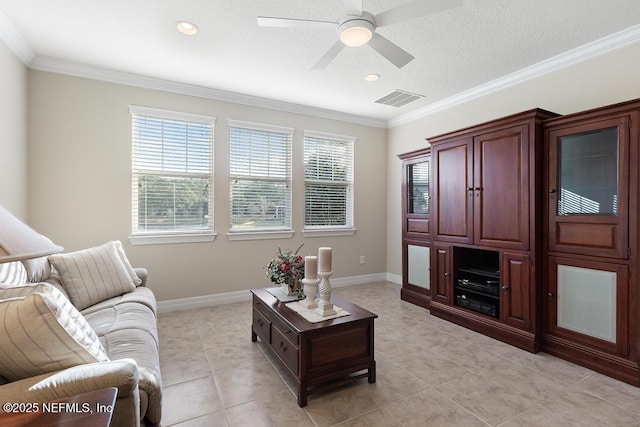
(13, 274)
(127, 265)
(93, 275)
(42, 332)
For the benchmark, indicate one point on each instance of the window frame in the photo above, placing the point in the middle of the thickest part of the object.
(331, 230)
(261, 233)
(146, 237)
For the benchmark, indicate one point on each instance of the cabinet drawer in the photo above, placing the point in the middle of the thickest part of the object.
(261, 326)
(285, 349)
(287, 331)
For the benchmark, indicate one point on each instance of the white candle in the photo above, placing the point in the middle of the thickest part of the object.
(324, 260)
(311, 267)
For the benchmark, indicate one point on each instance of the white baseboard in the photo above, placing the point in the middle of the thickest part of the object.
(394, 278)
(237, 296)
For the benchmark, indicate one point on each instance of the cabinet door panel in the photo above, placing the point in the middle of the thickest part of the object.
(441, 291)
(587, 302)
(501, 188)
(516, 299)
(453, 210)
(588, 188)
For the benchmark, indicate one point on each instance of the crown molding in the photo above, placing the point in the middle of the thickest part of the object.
(585, 52)
(14, 41)
(130, 79)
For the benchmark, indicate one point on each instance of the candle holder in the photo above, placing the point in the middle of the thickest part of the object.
(325, 307)
(310, 287)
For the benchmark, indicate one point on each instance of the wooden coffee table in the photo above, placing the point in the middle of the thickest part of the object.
(319, 356)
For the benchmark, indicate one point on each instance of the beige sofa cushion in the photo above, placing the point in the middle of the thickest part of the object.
(42, 332)
(93, 275)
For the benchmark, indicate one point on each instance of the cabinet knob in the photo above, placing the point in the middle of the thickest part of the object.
(447, 275)
(552, 190)
(505, 288)
(550, 295)
(469, 188)
(282, 346)
(260, 322)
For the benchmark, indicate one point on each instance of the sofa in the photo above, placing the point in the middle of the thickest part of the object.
(93, 326)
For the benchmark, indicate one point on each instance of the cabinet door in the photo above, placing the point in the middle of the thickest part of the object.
(441, 270)
(417, 196)
(453, 192)
(516, 293)
(588, 188)
(501, 188)
(588, 303)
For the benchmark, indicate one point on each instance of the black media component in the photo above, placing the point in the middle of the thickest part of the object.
(477, 281)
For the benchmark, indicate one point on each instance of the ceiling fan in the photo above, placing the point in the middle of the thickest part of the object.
(357, 27)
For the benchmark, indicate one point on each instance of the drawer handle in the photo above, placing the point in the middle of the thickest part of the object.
(288, 331)
(282, 346)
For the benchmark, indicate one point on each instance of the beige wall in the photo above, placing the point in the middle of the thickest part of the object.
(13, 133)
(601, 81)
(80, 190)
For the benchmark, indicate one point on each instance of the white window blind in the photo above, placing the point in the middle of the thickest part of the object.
(172, 172)
(260, 176)
(328, 180)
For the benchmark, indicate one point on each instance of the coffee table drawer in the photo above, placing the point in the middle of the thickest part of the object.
(285, 349)
(261, 326)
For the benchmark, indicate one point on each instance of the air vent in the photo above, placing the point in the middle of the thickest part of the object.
(398, 98)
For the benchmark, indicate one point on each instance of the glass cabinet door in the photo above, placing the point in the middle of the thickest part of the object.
(418, 188)
(588, 189)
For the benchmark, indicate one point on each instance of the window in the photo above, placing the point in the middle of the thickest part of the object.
(328, 180)
(172, 175)
(260, 177)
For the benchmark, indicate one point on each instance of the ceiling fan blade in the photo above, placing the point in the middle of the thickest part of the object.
(394, 53)
(328, 57)
(267, 21)
(414, 9)
(353, 7)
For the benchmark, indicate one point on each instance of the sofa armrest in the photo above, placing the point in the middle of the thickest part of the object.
(122, 373)
(142, 274)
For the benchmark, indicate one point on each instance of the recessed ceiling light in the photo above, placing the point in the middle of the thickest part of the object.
(187, 28)
(372, 77)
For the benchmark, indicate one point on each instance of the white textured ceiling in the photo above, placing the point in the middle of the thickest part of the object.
(455, 50)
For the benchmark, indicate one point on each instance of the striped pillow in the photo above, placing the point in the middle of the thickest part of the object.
(13, 273)
(42, 332)
(93, 275)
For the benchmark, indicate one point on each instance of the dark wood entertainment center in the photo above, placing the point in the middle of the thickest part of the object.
(525, 229)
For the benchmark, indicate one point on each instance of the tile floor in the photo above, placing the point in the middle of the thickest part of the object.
(429, 372)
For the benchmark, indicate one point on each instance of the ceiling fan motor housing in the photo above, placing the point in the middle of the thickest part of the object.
(356, 31)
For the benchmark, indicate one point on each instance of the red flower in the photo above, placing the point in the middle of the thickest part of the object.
(284, 266)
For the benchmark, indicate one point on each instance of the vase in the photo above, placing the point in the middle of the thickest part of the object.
(288, 289)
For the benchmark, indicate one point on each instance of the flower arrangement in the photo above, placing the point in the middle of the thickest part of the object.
(287, 269)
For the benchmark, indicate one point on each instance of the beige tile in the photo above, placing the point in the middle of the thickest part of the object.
(377, 418)
(433, 409)
(621, 394)
(189, 400)
(214, 419)
(251, 382)
(393, 382)
(537, 416)
(338, 405)
(429, 367)
(209, 363)
(582, 408)
(559, 369)
(523, 381)
(179, 365)
(277, 409)
(484, 398)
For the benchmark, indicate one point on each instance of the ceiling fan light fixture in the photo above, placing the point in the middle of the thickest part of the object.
(356, 33)
(186, 27)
